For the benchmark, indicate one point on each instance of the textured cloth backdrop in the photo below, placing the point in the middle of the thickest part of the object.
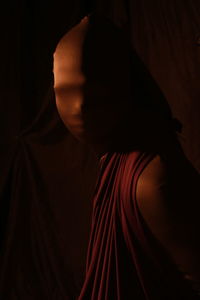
(46, 176)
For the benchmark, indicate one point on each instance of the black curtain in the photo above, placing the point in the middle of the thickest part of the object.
(47, 177)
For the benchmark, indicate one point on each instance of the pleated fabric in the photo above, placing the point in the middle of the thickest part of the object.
(124, 260)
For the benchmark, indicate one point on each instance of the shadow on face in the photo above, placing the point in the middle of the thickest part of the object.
(92, 84)
(104, 94)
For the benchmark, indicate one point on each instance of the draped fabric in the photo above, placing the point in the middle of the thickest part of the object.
(46, 176)
(34, 224)
(165, 34)
(124, 260)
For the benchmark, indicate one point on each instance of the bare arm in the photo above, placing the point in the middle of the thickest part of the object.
(170, 207)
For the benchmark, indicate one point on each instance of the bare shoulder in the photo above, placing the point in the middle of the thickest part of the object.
(167, 201)
(154, 172)
(153, 180)
(152, 193)
(173, 183)
(168, 198)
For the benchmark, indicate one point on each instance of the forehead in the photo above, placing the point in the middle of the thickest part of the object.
(67, 67)
(68, 56)
(89, 56)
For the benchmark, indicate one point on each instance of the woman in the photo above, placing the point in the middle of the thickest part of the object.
(144, 241)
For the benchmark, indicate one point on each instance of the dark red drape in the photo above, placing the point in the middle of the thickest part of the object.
(46, 176)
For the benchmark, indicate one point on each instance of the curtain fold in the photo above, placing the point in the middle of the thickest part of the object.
(165, 34)
(46, 176)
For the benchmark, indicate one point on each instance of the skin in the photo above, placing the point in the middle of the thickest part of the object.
(84, 99)
(168, 198)
(69, 79)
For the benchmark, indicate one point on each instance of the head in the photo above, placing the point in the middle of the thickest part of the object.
(92, 79)
(103, 93)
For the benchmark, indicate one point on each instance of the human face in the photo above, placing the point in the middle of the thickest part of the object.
(91, 110)
(91, 94)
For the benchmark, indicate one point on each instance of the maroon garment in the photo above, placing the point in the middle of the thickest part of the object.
(124, 259)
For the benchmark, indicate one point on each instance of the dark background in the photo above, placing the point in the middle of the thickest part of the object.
(46, 176)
